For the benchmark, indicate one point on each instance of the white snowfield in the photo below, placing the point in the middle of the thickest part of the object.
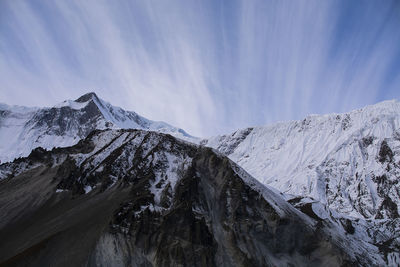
(22, 129)
(326, 157)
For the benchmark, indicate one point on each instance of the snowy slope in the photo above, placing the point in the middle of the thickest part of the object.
(23, 129)
(296, 157)
(348, 162)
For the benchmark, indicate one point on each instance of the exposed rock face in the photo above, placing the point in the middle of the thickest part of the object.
(137, 198)
(61, 121)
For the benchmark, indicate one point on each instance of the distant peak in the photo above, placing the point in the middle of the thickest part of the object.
(87, 97)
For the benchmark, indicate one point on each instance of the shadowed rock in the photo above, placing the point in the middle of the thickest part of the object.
(137, 198)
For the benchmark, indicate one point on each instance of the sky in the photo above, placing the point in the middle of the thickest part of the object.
(210, 66)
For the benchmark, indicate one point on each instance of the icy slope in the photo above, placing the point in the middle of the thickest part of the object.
(23, 129)
(336, 158)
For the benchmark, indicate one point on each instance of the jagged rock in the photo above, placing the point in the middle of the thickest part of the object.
(385, 153)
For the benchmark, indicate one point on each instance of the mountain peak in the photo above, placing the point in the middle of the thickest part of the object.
(66, 123)
(87, 97)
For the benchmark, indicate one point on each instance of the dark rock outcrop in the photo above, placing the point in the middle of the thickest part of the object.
(137, 198)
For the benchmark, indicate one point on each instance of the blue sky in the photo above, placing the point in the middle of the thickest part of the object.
(208, 67)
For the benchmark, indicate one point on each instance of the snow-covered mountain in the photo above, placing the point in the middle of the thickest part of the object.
(348, 162)
(141, 198)
(340, 171)
(22, 129)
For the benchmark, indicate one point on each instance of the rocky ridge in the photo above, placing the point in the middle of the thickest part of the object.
(139, 198)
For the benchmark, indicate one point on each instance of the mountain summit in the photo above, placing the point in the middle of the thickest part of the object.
(22, 129)
(87, 97)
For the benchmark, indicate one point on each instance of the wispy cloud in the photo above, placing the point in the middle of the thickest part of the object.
(206, 66)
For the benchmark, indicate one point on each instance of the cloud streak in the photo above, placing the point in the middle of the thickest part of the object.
(206, 66)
